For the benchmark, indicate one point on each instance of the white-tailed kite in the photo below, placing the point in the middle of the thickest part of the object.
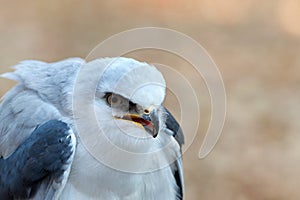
(42, 151)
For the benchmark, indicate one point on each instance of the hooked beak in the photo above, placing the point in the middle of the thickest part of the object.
(149, 121)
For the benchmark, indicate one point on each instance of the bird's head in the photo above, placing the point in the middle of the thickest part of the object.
(119, 116)
(128, 104)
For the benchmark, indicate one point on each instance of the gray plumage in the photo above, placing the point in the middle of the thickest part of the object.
(44, 92)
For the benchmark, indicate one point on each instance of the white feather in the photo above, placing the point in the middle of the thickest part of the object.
(53, 86)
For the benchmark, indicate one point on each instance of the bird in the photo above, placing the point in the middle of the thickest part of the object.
(43, 150)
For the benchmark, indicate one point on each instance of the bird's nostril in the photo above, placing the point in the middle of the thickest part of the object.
(146, 111)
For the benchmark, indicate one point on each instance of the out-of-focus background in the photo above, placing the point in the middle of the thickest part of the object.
(256, 45)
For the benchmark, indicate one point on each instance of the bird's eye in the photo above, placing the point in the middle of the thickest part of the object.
(113, 99)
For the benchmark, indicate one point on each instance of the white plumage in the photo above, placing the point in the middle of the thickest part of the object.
(136, 123)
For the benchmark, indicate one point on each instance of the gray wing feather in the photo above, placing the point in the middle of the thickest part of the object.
(21, 112)
(26, 106)
(175, 130)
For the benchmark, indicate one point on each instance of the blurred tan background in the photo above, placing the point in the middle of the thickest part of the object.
(256, 45)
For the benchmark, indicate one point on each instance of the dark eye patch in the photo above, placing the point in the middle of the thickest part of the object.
(107, 98)
(115, 99)
(131, 104)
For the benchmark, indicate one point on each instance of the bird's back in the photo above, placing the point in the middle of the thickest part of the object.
(26, 106)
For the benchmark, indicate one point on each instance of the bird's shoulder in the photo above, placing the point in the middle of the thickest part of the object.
(21, 111)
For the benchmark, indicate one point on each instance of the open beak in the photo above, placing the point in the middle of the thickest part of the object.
(149, 121)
